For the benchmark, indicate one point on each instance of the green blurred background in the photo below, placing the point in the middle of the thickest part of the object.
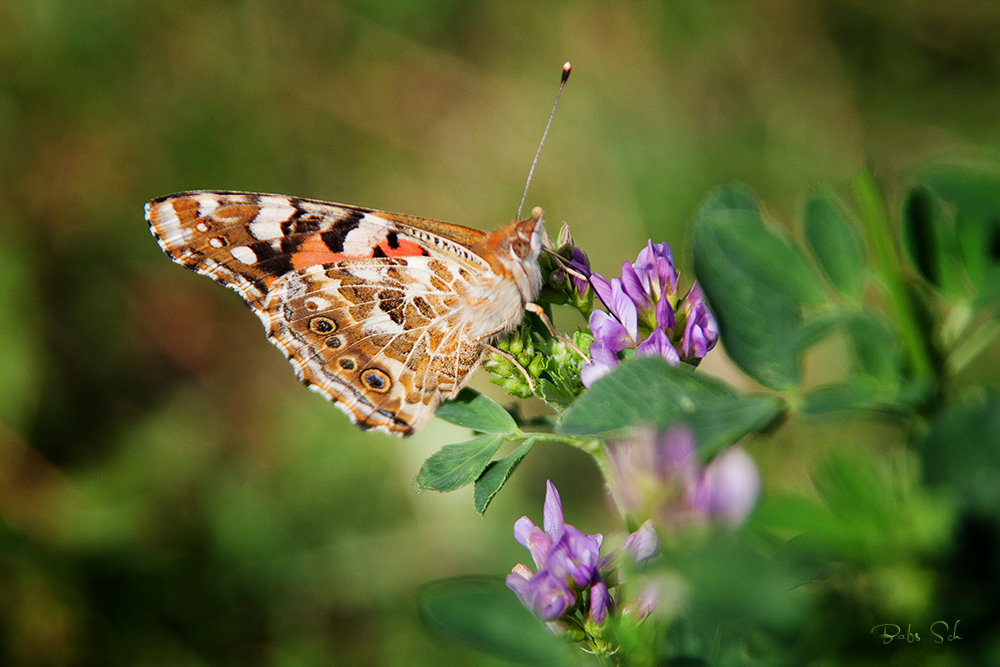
(169, 493)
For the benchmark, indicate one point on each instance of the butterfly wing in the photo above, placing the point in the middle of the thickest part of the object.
(365, 304)
(385, 339)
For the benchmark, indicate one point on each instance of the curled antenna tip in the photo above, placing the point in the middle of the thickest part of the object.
(567, 68)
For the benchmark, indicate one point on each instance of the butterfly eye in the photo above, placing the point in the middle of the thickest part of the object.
(521, 248)
(322, 325)
(376, 380)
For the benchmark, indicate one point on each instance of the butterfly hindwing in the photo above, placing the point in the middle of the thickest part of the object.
(386, 339)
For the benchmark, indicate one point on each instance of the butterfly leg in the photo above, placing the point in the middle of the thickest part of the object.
(496, 350)
(564, 265)
(538, 310)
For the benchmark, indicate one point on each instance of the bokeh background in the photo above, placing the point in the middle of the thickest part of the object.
(169, 493)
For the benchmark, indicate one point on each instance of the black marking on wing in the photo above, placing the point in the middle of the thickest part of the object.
(334, 237)
(301, 222)
(272, 260)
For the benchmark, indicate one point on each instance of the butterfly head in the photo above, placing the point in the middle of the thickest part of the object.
(513, 250)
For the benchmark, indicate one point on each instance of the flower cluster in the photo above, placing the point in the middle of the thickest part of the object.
(658, 474)
(566, 562)
(645, 314)
(570, 582)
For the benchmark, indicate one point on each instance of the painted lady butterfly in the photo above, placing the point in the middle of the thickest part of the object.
(384, 314)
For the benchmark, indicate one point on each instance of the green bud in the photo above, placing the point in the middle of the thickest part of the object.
(516, 387)
(515, 346)
(536, 366)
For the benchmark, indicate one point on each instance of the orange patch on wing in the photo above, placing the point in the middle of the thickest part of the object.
(404, 248)
(236, 212)
(185, 209)
(314, 252)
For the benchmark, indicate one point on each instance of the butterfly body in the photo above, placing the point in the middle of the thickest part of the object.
(385, 314)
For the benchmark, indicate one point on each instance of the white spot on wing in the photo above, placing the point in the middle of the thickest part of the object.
(215, 243)
(274, 208)
(267, 229)
(206, 205)
(201, 227)
(369, 233)
(244, 254)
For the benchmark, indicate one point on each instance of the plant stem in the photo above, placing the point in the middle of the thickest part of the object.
(889, 269)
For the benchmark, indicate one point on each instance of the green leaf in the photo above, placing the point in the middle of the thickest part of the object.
(755, 282)
(865, 502)
(639, 391)
(876, 349)
(478, 412)
(766, 256)
(979, 239)
(554, 395)
(868, 512)
(930, 241)
(496, 475)
(876, 376)
(962, 450)
(482, 613)
(836, 245)
(720, 422)
(454, 466)
(965, 188)
(647, 391)
(975, 196)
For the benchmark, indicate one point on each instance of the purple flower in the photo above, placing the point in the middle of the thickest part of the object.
(581, 263)
(659, 474)
(574, 557)
(728, 487)
(658, 345)
(641, 544)
(701, 332)
(643, 314)
(600, 600)
(620, 329)
(616, 333)
(602, 360)
(650, 280)
(648, 598)
(544, 594)
(567, 562)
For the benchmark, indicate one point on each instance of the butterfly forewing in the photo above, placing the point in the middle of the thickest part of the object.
(377, 311)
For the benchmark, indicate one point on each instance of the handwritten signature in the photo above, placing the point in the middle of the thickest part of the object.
(891, 632)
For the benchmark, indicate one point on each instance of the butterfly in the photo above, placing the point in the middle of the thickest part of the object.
(384, 314)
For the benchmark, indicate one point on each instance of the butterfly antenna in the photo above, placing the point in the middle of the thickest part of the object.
(566, 68)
